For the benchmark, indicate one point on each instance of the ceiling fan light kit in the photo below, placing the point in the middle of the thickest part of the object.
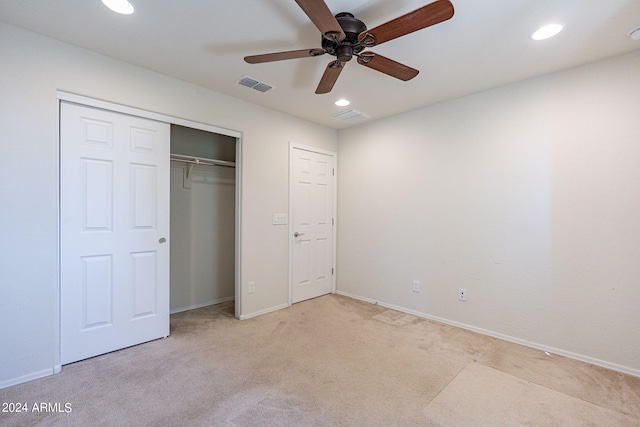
(344, 36)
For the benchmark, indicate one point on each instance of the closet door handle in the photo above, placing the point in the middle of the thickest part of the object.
(162, 240)
(296, 234)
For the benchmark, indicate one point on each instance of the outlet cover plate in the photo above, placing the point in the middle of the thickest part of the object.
(416, 286)
(462, 294)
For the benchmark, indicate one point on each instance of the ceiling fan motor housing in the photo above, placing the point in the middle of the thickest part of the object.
(345, 49)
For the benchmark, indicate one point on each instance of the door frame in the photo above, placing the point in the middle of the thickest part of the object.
(132, 111)
(334, 155)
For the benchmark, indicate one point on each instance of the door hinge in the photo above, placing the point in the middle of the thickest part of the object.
(333, 221)
(333, 172)
(332, 271)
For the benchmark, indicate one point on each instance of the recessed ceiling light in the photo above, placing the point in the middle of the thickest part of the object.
(635, 33)
(119, 6)
(547, 32)
(342, 102)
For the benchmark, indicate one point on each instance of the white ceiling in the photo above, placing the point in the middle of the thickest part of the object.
(486, 44)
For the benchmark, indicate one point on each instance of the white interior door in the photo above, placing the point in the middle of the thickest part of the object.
(312, 198)
(114, 225)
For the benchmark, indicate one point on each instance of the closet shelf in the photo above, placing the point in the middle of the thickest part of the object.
(202, 161)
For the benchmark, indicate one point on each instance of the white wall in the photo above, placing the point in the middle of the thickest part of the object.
(527, 196)
(33, 68)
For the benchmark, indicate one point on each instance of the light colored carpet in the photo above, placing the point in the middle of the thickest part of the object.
(331, 361)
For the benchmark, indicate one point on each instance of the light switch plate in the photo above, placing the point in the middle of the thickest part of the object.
(280, 219)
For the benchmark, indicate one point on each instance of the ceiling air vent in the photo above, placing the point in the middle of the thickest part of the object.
(255, 84)
(351, 116)
(262, 87)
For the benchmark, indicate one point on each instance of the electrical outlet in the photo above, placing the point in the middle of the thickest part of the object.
(252, 287)
(462, 294)
(416, 286)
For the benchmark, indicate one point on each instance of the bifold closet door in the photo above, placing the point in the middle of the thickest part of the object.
(114, 226)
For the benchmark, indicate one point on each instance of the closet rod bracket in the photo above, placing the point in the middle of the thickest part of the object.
(190, 166)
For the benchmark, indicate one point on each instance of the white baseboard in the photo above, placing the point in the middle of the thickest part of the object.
(261, 312)
(30, 377)
(537, 346)
(204, 304)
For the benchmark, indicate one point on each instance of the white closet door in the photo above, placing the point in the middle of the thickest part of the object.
(114, 215)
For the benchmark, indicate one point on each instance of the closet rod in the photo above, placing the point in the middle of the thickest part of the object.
(202, 161)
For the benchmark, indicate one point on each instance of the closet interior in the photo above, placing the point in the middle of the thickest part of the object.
(203, 191)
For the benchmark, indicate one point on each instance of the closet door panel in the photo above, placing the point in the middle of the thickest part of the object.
(114, 222)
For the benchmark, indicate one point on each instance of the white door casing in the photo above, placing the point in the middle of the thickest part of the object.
(114, 226)
(312, 175)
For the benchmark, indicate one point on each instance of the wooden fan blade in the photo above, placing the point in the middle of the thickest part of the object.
(424, 17)
(321, 16)
(387, 66)
(280, 56)
(331, 74)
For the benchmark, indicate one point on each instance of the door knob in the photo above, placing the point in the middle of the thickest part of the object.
(296, 234)
(162, 240)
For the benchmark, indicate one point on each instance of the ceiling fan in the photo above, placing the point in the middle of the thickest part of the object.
(344, 37)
